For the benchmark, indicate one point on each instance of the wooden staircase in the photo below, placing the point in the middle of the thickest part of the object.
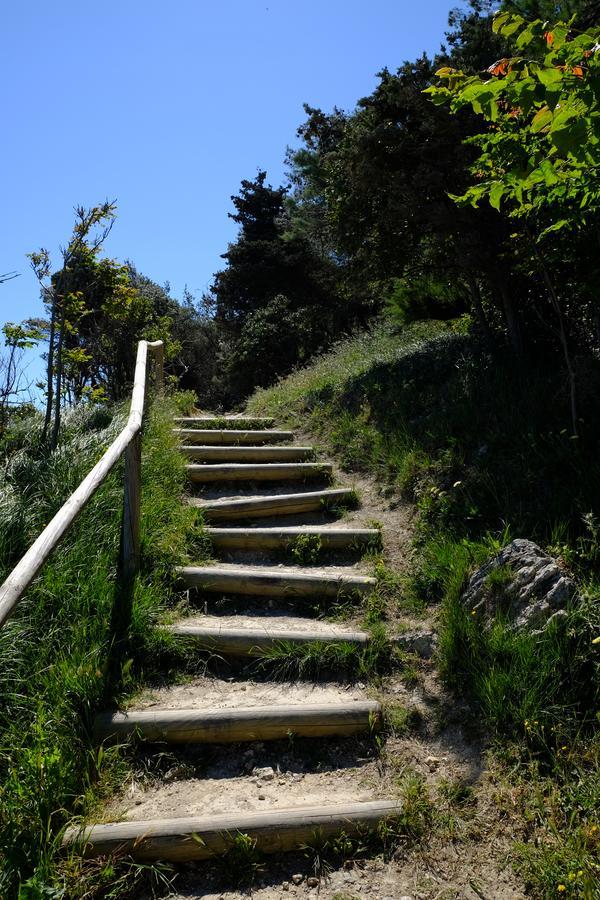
(229, 453)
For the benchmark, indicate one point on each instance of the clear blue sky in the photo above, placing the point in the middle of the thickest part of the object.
(165, 107)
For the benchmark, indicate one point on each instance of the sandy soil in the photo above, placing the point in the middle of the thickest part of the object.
(216, 693)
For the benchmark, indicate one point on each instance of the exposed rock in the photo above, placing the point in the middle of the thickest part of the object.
(423, 643)
(312, 882)
(265, 773)
(298, 879)
(523, 584)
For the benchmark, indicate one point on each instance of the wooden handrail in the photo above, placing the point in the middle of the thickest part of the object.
(127, 442)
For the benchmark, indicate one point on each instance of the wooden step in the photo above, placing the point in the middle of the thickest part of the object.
(273, 582)
(278, 538)
(274, 505)
(231, 436)
(252, 723)
(248, 454)
(258, 472)
(232, 641)
(200, 837)
(242, 422)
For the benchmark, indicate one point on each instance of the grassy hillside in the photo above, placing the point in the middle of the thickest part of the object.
(56, 665)
(482, 447)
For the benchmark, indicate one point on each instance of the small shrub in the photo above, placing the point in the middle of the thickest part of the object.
(306, 549)
(416, 810)
(243, 862)
(185, 402)
(400, 720)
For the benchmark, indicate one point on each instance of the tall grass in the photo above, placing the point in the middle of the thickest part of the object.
(55, 651)
(473, 438)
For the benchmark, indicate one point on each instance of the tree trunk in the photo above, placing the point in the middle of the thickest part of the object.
(511, 317)
(50, 373)
(562, 332)
(482, 321)
(58, 392)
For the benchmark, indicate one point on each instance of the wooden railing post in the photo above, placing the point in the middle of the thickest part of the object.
(130, 534)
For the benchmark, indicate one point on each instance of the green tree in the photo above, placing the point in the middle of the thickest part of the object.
(17, 339)
(92, 227)
(269, 269)
(537, 160)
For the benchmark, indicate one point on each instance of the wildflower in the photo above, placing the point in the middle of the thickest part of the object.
(561, 888)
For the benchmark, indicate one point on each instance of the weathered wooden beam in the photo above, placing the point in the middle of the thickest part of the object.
(232, 641)
(273, 582)
(274, 505)
(254, 723)
(248, 454)
(231, 436)
(280, 538)
(199, 837)
(258, 472)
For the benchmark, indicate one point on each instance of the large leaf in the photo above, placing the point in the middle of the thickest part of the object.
(542, 118)
(549, 77)
(497, 191)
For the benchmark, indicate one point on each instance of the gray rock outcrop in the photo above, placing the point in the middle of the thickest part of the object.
(423, 643)
(522, 584)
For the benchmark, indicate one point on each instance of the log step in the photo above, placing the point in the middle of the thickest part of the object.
(255, 641)
(280, 538)
(258, 472)
(225, 421)
(231, 436)
(248, 454)
(275, 505)
(200, 837)
(253, 723)
(273, 582)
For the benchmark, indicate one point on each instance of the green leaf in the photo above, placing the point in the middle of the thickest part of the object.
(496, 193)
(526, 36)
(549, 173)
(500, 21)
(570, 138)
(542, 118)
(550, 76)
(558, 226)
(512, 27)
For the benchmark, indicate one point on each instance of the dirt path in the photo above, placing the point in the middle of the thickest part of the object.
(457, 834)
